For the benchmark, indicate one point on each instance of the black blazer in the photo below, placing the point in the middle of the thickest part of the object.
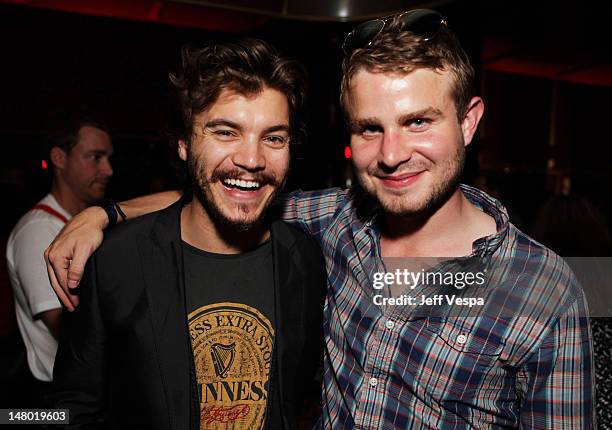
(124, 357)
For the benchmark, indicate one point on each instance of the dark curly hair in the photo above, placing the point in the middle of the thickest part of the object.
(245, 66)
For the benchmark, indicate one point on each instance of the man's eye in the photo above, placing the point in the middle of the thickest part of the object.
(224, 133)
(276, 141)
(419, 124)
(370, 130)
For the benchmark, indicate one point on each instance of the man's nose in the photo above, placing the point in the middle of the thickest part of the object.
(249, 155)
(395, 149)
(106, 168)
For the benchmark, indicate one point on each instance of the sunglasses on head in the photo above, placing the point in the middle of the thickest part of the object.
(425, 23)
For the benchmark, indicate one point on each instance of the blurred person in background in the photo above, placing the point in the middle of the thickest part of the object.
(80, 160)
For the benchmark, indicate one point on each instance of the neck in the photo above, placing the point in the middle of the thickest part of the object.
(66, 198)
(199, 230)
(447, 232)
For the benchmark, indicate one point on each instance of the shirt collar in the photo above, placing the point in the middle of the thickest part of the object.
(489, 244)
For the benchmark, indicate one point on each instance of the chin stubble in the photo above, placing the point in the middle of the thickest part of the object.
(440, 193)
(203, 192)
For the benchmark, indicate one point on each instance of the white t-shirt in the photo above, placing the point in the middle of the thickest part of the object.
(31, 288)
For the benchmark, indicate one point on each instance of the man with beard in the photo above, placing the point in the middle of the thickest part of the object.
(196, 316)
(523, 359)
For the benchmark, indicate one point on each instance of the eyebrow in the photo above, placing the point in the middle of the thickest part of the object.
(278, 127)
(427, 112)
(222, 122)
(362, 123)
(227, 123)
(99, 152)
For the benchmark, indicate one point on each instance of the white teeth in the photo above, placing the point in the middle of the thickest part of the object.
(241, 183)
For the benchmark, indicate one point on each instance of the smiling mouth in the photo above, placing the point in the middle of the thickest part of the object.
(402, 180)
(242, 184)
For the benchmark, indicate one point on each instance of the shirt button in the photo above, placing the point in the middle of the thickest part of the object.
(461, 339)
(389, 324)
(373, 382)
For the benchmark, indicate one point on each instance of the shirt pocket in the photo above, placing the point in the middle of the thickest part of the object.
(476, 336)
(460, 360)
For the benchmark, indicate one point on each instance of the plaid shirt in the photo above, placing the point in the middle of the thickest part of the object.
(387, 369)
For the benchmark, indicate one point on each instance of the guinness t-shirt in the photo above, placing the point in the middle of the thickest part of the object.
(230, 303)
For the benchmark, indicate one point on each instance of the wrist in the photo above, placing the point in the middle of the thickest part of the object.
(113, 211)
(97, 215)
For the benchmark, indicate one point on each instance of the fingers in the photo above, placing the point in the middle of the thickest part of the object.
(62, 295)
(77, 266)
(67, 255)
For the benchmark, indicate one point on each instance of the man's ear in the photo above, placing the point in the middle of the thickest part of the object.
(472, 117)
(58, 157)
(182, 149)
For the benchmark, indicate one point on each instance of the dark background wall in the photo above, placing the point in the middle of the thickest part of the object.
(55, 63)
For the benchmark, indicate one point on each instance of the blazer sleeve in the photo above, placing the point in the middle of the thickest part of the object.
(78, 374)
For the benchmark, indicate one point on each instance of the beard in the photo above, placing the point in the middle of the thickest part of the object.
(409, 205)
(202, 189)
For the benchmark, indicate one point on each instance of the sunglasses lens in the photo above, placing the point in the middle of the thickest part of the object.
(362, 34)
(423, 23)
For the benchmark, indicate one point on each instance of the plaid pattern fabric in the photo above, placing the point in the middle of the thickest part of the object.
(527, 366)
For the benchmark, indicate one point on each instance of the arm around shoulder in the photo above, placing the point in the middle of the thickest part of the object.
(67, 255)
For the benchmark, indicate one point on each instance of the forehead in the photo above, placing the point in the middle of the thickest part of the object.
(371, 94)
(93, 139)
(264, 108)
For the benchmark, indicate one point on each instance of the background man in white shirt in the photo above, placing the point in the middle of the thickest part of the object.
(81, 171)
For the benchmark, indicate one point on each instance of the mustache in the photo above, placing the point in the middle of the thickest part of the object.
(382, 170)
(264, 178)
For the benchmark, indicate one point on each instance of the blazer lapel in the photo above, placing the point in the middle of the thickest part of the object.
(162, 267)
(288, 311)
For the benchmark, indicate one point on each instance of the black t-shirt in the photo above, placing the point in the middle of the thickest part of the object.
(230, 303)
